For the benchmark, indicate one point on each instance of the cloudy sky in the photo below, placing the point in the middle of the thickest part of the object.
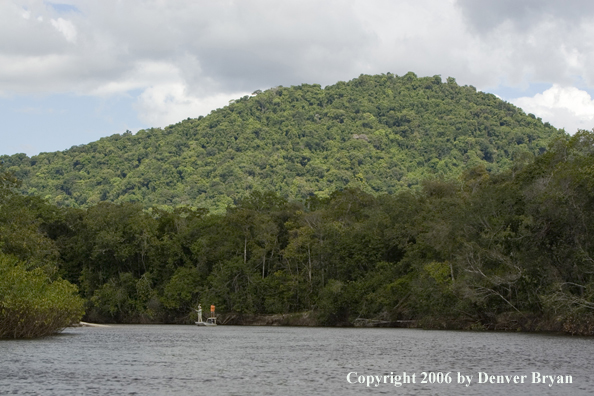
(74, 71)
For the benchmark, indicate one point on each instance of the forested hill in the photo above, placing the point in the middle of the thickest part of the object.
(380, 133)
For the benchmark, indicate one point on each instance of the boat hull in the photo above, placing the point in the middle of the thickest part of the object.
(205, 324)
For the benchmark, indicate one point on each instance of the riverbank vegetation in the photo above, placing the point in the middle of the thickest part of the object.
(31, 304)
(34, 301)
(508, 251)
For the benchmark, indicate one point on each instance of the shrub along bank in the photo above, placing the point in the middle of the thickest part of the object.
(31, 305)
(34, 301)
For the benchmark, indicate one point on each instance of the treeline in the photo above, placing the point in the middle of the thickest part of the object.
(380, 134)
(508, 251)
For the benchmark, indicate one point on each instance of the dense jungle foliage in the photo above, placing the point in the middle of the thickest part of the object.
(378, 134)
(511, 250)
(34, 301)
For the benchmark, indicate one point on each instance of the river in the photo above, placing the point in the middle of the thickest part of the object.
(252, 360)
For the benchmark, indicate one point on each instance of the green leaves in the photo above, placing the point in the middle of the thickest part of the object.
(31, 305)
(380, 134)
(181, 291)
(384, 198)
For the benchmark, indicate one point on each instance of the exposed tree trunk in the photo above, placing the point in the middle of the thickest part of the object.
(309, 259)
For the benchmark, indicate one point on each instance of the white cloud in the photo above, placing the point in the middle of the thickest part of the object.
(141, 75)
(186, 51)
(65, 27)
(244, 45)
(563, 107)
(166, 104)
(167, 97)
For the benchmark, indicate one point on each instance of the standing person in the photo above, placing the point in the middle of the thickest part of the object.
(212, 311)
(199, 310)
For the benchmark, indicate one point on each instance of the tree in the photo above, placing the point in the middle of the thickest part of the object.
(31, 304)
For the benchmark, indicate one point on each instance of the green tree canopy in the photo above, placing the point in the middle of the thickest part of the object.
(381, 134)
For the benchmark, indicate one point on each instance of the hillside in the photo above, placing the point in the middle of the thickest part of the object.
(380, 133)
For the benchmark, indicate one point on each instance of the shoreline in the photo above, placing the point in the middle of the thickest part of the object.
(87, 324)
(310, 319)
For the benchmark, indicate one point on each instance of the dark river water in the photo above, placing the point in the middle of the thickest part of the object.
(244, 360)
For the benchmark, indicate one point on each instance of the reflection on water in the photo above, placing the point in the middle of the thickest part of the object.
(243, 360)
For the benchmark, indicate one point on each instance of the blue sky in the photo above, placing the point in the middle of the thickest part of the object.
(75, 71)
(58, 121)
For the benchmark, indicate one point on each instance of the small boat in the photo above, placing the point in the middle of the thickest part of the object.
(212, 321)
